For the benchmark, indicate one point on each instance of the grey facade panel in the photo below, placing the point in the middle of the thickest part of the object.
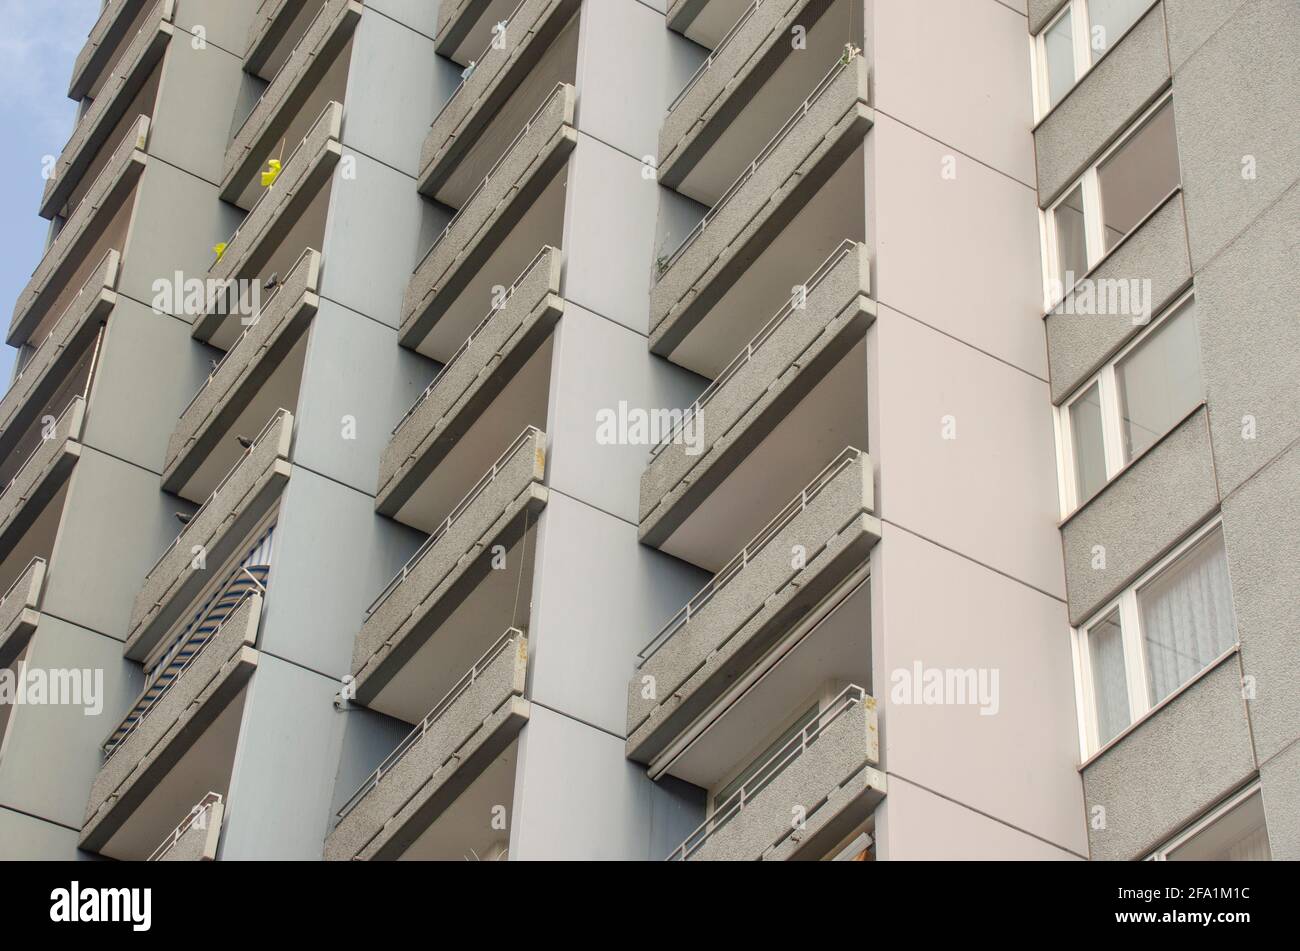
(1140, 514)
(496, 206)
(105, 196)
(1263, 548)
(753, 601)
(728, 81)
(280, 324)
(19, 611)
(532, 28)
(749, 403)
(289, 91)
(1173, 766)
(450, 565)
(233, 509)
(161, 737)
(41, 475)
(1078, 344)
(1102, 105)
(747, 220)
(446, 753)
(1236, 108)
(470, 380)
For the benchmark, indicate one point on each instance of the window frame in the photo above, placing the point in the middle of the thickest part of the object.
(1094, 226)
(1161, 854)
(1085, 57)
(1135, 661)
(1112, 422)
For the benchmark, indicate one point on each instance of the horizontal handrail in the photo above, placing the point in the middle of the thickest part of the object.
(283, 66)
(496, 167)
(844, 248)
(267, 192)
(473, 63)
(445, 525)
(466, 681)
(39, 446)
(754, 165)
(257, 441)
(749, 552)
(464, 347)
(848, 698)
(204, 805)
(109, 747)
(21, 575)
(717, 51)
(257, 318)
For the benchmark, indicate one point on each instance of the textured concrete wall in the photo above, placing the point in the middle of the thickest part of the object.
(198, 843)
(41, 475)
(1280, 778)
(18, 611)
(1141, 513)
(752, 609)
(466, 386)
(747, 407)
(1040, 11)
(757, 212)
(227, 516)
(1174, 765)
(1078, 344)
(161, 738)
(1102, 105)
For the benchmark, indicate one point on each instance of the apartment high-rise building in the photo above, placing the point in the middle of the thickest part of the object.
(642, 429)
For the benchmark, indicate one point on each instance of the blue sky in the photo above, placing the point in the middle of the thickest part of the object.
(38, 44)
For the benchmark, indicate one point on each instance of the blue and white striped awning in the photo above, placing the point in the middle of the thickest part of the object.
(250, 576)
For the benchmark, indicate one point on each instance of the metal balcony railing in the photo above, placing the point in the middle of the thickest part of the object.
(40, 445)
(198, 812)
(848, 698)
(473, 63)
(471, 676)
(717, 52)
(773, 144)
(444, 526)
(287, 60)
(747, 554)
(731, 369)
(22, 575)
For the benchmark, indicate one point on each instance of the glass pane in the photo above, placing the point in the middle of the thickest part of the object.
(1089, 448)
(1058, 44)
(1237, 836)
(1110, 20)
(1071, 240)
(1160, 381)
(1141, 173)
(1187, 617)
(1109, 683)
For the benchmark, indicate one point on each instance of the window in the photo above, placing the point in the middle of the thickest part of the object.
(1131, 403)
(1234, 832)
(1158, 635)
(1112, 198)
(1074, 42)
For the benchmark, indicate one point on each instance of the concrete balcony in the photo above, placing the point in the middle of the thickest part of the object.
(57, 356)
(469, 382)
(500, 203)
(762, 385)
(128, 92)
(197, 836)
(238, 503)
(20, 611)
(465, 732)
(148, 773)
(829, 770)
(246, 381)
(114, 29)
(496, 78)
(724, 113)
(98, 224)
(41, 475)
(748, 606)
(276, 28)
(705, 21)
(769, 195)
(465, 26)
(443, 574)
(315, 72)
(294, 200)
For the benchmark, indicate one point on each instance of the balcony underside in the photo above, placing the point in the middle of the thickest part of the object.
(705, 21)
(465, 26)
(276, 29)
(116, 26)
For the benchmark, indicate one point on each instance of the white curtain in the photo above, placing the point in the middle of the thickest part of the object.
(1109, 684)
(1187, 617)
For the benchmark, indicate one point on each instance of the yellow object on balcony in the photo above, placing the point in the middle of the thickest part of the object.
(272, 172)
(220, 249)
